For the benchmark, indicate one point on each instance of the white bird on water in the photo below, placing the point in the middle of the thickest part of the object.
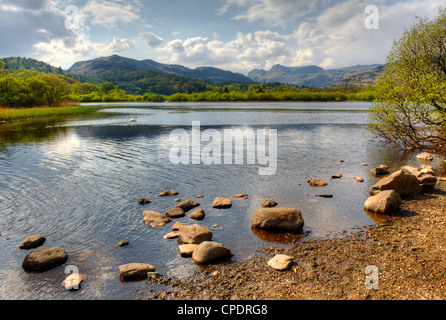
(134, 119)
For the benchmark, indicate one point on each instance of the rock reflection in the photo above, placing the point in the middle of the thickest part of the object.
(379, 218)
(276, 237)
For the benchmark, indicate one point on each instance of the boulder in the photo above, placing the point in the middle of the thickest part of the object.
(186, 250)
(41, 260)
(135, 271)
(194, 234)
(168, 193)
(402, 181)
(425, 156)
(268, 203)
(209, 251)
(32, 242)
(197, 214)
(73, 281)
(155, 219)
(222, 203)
(175, 212)
(383, 202)
(279, 219)
(281, 262)
(187, 205)
(317, 183)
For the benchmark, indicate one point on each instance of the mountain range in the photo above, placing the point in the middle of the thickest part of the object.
(310, 76)
(96, 66)
(141, 76)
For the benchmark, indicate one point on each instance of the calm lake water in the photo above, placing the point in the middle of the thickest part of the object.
(77, 180)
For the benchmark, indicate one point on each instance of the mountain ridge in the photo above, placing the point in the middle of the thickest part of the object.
(208, 74)
(310, 76)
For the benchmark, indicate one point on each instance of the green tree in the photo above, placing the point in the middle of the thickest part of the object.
(106, 87)
(410, 107)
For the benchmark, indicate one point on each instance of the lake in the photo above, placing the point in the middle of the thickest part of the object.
(77, 180)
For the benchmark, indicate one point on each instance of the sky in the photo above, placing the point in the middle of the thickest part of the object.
(235, 35)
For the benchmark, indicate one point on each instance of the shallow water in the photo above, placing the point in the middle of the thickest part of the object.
(77, 181)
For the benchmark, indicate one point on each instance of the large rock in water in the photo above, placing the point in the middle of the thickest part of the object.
(32, 242)
(187, 205)
(278, 219)
(383, 202)
(41, 260)
(425, 177)
(194, 234)
(155, 219)
(135, 271)
(222, 203)
(402, 181)
(209, 251)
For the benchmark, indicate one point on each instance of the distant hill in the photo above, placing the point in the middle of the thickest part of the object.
(362, 79)
(17, 63)
(209, 74)
(310, 76)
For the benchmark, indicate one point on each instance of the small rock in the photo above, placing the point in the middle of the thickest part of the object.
(222, 203)
(379, 171)
(281, 262)
(73, 281)
(144, 201)
(324, 195)
(365, 164)
(317, 183)
(153, 275)
(41, 260)
(176, 212)
(135, 271)
(243, 196)
(197, 214)
(123, 243)
(177, 200)
(187, 205)
(336, 176)
(209, 251)
(32, 242)
(268, 203)
(359, 179)
(426, 156)
(155, 219)
(199, 196)
(186, 250)
(168, 193)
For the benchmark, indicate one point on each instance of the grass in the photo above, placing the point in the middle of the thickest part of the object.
(10, 114)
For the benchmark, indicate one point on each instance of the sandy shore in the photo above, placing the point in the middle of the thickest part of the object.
(408, 248)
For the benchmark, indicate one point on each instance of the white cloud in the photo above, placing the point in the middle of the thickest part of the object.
(152, 40)
(247, 51)
(110, 14)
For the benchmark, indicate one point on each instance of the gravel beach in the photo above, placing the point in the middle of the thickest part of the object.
(406, 249)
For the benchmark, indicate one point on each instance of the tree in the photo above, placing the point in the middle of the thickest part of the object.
(107, 87)
(410, 107)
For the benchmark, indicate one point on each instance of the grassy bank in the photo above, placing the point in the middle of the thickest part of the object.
(11, 114)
